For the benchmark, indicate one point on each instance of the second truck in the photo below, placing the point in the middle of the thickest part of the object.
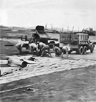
(77, 41)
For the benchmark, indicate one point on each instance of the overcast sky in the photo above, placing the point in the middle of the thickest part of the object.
(56, 13)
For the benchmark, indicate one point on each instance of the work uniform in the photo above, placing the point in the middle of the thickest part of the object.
(66, 47)
(44, 49)
(33, 47)
(58, 51)
(21, 44)
(41, 45)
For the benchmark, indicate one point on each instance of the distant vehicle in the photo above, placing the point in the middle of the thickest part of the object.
(78, 42)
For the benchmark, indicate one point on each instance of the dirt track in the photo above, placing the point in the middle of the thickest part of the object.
(53, 81)
(64, 86)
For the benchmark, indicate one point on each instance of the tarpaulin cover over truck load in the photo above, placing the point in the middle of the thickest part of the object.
(68, 37)
(73, 38)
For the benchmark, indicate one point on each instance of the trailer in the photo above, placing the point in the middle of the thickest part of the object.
(77, 41)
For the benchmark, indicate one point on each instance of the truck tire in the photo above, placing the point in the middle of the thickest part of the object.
(84, 49)
(80, 51)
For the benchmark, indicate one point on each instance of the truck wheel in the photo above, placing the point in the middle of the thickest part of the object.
(81, 50)
(84, 50)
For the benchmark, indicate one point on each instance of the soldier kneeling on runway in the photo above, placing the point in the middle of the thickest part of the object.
(44, 49)
(66, 50)
(57, 50)
(34, 48)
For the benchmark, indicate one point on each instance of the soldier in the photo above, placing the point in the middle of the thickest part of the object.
(33, 48)
(22, 45)
(66, 49)
(44, 49)
(57, 50)
(19, 46)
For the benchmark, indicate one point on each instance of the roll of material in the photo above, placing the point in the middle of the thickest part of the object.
(17, 62)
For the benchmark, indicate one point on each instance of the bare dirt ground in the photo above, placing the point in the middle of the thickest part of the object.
(55, 80)
(43, 66)
(77, 85)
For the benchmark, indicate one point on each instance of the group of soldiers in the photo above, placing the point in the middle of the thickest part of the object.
(41, 49)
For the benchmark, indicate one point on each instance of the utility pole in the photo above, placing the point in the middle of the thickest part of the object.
(67, 28)
(46, 26)
(62, 29)
(72, 28)
(52, 26)
(78, 29)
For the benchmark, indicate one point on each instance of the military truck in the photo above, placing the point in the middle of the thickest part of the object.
(77, 41)
(39, 34)
(42, 35)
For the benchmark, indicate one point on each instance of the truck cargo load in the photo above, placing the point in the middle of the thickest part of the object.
(78, 42)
